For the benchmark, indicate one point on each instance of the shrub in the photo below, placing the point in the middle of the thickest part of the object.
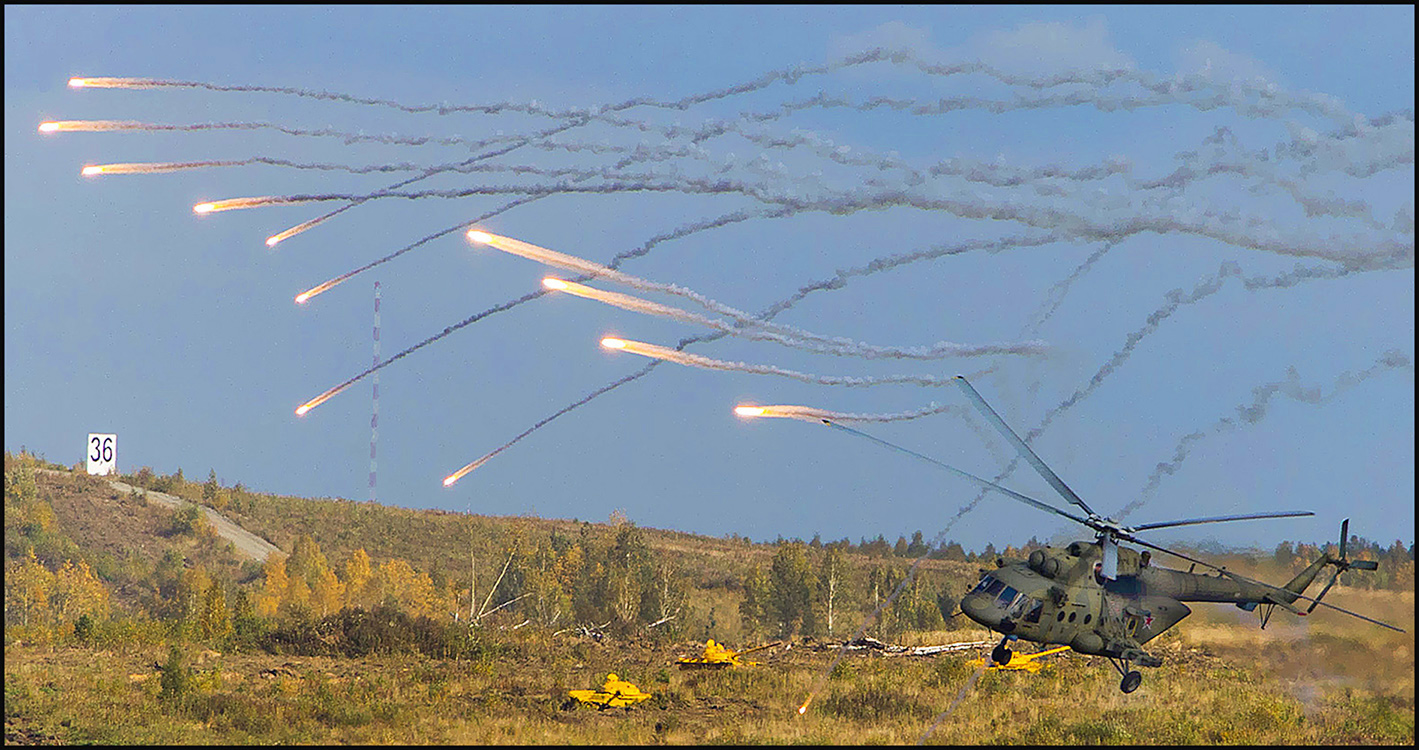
(354, 631)
(83, 628)
(176, 680)
(187, 519)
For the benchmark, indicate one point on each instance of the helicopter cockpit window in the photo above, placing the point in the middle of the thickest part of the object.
(1018, 607)
(1007, 597)
(1036, 608)
(983, 585)
(995, 587)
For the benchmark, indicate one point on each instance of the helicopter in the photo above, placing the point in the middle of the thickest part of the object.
(1102, 599)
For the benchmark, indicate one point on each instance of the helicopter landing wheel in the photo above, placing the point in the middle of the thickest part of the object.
(1131, 681)
(1001, 655)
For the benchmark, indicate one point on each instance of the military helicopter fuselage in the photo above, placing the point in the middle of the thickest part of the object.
(1105, 599)
(1058, 596)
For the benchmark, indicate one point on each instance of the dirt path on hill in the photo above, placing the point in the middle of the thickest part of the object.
(246, 543)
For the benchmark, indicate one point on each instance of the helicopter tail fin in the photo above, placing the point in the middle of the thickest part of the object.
(1298, 585)
(1305, 578)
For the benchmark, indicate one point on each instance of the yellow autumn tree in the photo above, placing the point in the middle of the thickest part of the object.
(328, 593)
(412, 591)
(27, 587)
(297, 596)
(191, 588)
(215, 622)
(273, 589)
(357, 577)
(77, 591)
(306, 560)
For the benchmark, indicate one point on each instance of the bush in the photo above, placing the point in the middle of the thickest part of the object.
(357, 632)
(83, 628)
(176, 680)
(186, 520)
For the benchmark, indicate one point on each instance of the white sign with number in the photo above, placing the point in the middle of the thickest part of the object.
(103, 453)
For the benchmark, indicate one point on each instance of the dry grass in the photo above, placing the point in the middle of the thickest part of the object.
(1221, 684)
(1324, 679)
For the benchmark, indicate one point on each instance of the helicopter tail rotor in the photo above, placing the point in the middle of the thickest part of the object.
(1342, 564)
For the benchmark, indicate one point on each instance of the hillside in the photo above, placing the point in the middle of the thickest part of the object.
(124, 529)
(126, 526)
(130, 619)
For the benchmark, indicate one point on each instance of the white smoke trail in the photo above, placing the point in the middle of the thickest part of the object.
(708, 363)
(1058, 204)
(1254, 412)
(745, 325)
(763, 331)
(1055, 296)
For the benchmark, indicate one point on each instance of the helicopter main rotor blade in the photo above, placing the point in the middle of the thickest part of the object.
(1253, 581)
(1344, 535)
(1321, 595)
(1217, 519)
(982, 482)
(1020, 447)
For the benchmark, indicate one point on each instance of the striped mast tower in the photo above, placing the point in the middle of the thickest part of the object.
(374, 412)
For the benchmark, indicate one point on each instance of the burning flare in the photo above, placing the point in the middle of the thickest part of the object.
(113, 83)
(231, 204)
(784, 411)
(88, 126)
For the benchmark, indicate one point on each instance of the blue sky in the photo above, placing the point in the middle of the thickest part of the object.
(1249, 351)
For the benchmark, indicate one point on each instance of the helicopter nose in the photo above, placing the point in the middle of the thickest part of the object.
(979, 607)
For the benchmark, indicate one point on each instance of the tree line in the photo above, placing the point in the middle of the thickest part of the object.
(587, 579)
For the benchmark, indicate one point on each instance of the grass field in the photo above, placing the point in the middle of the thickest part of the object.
(1329, 681)
(1323, 679)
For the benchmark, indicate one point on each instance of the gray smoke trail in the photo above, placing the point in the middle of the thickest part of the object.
(404, 183)
(743, 322)
(1354, 249)
(966, 688)
(569, 407)
(417, 243)
(789, 75)
(348, 137)
(1171, 89)
(837, 282)
(747, 327)
(1055, 296)
(1175, 300)
(695, 360)
(1255, 98)
(1053, 172)
(1249, 414)
(1314, 207)
(645, 248)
